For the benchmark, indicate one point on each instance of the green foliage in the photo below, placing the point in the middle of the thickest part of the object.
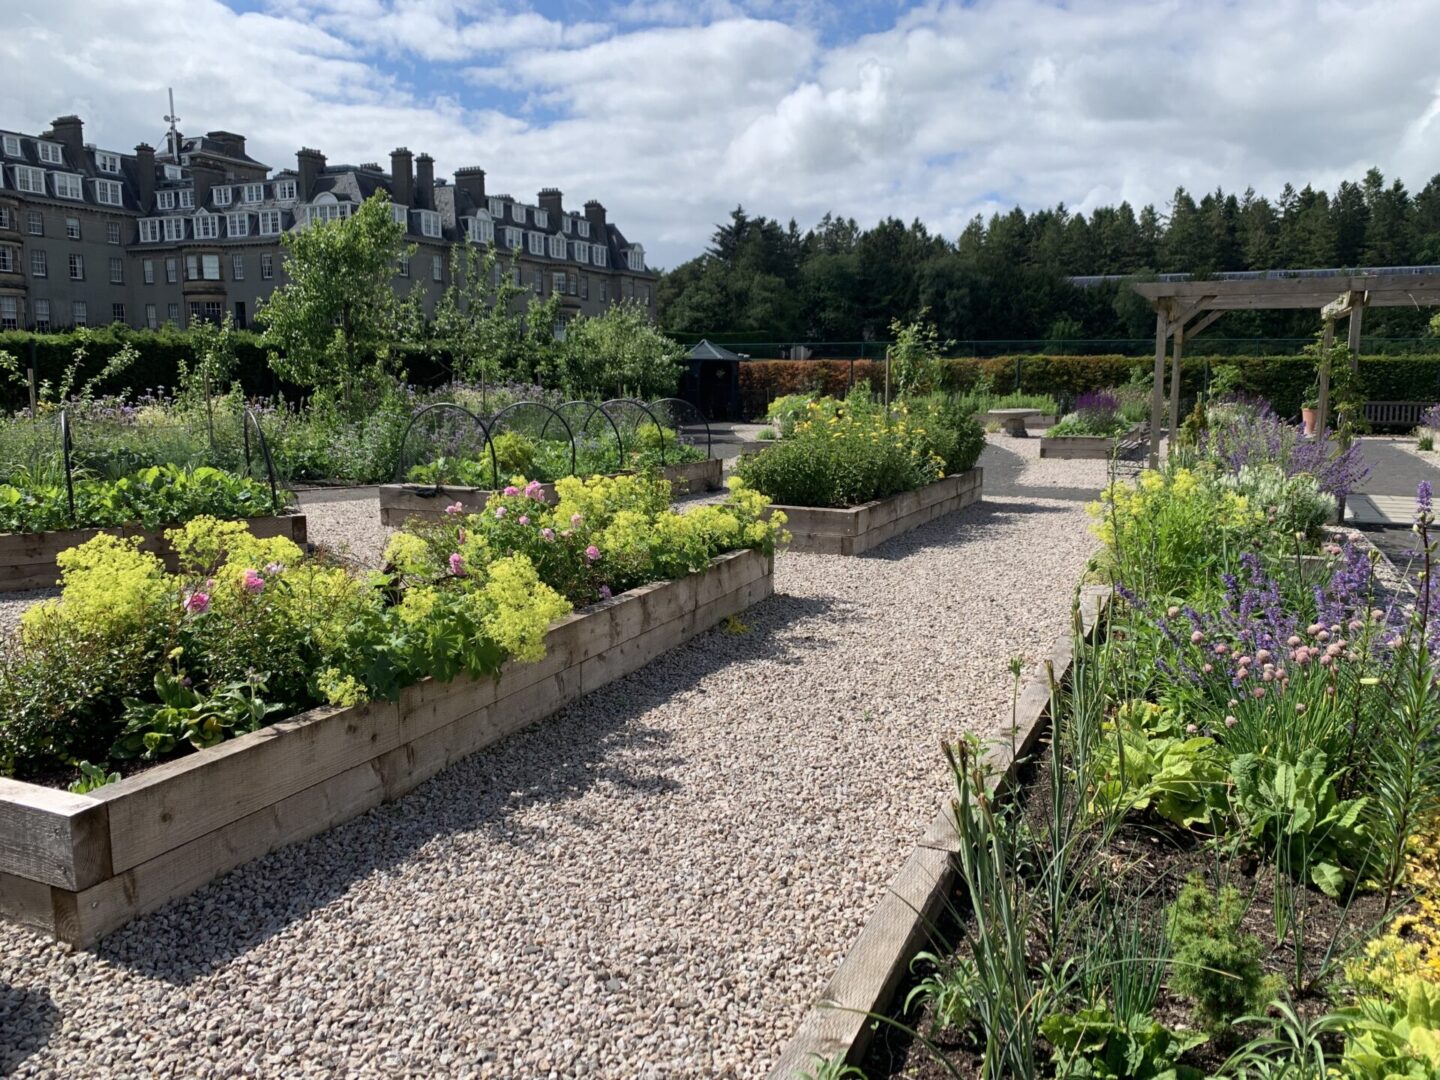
(92, 777)
(1092, 1043)
(180, 715)
(915, 357)
(1214, 963)
(330, 325)
(155, 496)
(950, 989)
(620, 353)
(1145, 761)
(846, 456)
(832, 1068)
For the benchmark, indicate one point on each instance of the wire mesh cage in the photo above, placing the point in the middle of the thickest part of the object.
(533, 440)
(446, 444)
(596, 437)
(641, 434)
(688, 424)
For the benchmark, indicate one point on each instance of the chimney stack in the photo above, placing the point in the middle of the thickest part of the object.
(471, 180)
(309, 164)
(145, 176)
(204, 177)
(425, 182)
(69, 131)
(595, 214)
(551, 203)
(230, 144)
(402, 184)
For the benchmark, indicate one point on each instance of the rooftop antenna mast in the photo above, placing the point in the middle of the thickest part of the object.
(172, 120)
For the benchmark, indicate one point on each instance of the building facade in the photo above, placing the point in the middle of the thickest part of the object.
(90, 237)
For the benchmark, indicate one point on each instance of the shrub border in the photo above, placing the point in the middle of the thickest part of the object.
(841, 1022)
(78, 866)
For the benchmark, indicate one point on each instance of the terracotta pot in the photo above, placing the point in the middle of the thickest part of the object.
(1309, 416)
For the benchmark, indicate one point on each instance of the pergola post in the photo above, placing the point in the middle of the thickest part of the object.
(1357, 315)
(1157, 395)
(1323, 404)
(1175, 383)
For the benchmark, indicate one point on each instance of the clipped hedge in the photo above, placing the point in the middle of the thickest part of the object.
(1283, 380)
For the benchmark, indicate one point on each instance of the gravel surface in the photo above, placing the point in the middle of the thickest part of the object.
(656, 882)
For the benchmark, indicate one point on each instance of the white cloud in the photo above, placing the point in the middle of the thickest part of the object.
(671, 113)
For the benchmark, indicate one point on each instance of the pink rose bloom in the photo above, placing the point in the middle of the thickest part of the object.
(455, 508)
(500, 511)
(457, 564)
(532, 490)
(197, 603)
(575, 520)
(592, 553)
(511, 489)
(605, 591)
(524, 519)
(252, 582)
(548, 534)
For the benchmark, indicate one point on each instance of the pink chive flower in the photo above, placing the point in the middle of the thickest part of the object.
(1293, 640)
(1258, 692)
(592, 553)
(1230, 721)
(197, 603)
(1207, 668)
(605, 591)
(1172, 611)
(1300, 706)
(575, 520)
(455, 508)
(524, 519)
(511, 489)
(1191, 729)
(548, 534)
(252, 582)
(457, 564)
(1196, 637)
(1262, 655)
(1221, 649)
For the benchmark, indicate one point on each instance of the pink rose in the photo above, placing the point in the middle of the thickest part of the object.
(592, 553)
(457, 564)
(500, 511)
(605, 591)
(524, 519)
(455, 508)
(575, 520)
(548, 534)
(252, 582)
(197, 603)
(511, 489)
(533, 490)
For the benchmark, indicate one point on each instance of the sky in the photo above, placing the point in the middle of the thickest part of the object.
(672, 113)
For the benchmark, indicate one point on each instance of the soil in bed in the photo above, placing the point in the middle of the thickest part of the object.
(1150, 862)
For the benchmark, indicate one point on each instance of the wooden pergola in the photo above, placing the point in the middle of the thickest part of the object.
(1185, 308)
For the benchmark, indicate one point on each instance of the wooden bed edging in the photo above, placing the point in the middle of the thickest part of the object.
(401, 502)
(828, 531)
(27, 560)
(78, 866)
(840, 1023)
(1088, 447)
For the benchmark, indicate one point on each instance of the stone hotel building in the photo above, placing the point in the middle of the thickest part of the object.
(90, 236)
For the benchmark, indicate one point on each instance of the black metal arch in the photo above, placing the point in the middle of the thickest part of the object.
(635, 403)
(441, 406)
(585, 426)
(66, 449)
(248, 420)
(554, 415)
(671, 404)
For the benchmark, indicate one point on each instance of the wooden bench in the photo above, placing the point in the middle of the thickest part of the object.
(1399, 414)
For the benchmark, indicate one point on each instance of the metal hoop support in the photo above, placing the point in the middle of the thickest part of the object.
(569, 435)
(441, 406)
(636, 404)
(585, 427)
(66, 449)
(670, 403)
(249, 419)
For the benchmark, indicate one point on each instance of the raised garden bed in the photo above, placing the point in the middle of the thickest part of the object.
(856, 529)
(1087, 447)
(27, 560)
(78, 866)
(401, 502)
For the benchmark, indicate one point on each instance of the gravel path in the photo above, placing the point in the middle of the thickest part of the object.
(654, 883)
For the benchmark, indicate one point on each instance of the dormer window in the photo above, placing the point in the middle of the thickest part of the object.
(67, 186)
(150, 230)
(536, 242)
(557, 246)
(480, 229)
(637, 257)
(517, 212)
(269, 222)
(172, 172)
(237, 224)
(30, 179)
(542, 218)
(599, 255)
(187, 199)
(50, 153)
(165, 200)
(512, 239)
(584, 226)
(207, 226)
(285, 190)
(174, 228)
(224, 195)
(429, 223)
(109, 193)
(254, 193)
(399, 214)
(326, 208)
(567, 223)
(497, 208)
(11, 144)
(107, 162)
(580, 252)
